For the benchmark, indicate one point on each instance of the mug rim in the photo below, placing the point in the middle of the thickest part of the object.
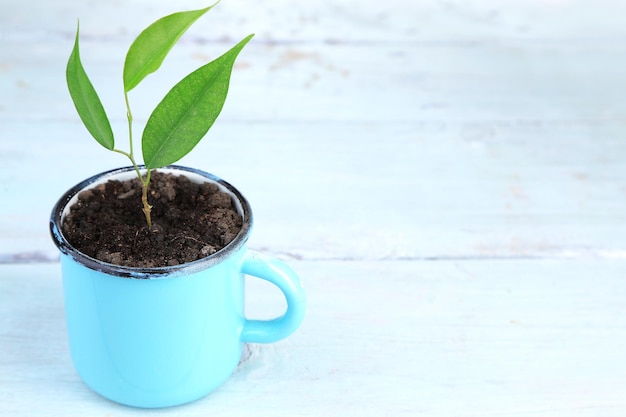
(122, 271)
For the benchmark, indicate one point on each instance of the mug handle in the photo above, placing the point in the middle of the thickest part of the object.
(281, 275)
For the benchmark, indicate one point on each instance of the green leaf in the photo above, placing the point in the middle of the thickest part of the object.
(188, 110)
(86, 100)
(147, 52)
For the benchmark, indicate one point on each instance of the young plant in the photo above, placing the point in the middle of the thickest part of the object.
(184, 115)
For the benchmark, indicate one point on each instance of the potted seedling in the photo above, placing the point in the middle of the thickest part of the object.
(153, 255)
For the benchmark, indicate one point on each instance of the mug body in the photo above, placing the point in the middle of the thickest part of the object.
(154, 342)
(154, 337)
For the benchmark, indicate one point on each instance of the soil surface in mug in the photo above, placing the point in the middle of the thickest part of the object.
(189, 221)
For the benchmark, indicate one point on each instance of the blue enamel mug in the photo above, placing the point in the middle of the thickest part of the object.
(160, 337)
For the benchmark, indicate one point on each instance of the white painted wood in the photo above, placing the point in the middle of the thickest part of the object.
(448, 177)
(456, 339)
(513, 172)
(460, 194)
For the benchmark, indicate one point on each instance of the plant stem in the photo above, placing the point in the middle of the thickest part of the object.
(147, 208)
(129, 116)
(131, 153)
(132, 160)
(145, 183)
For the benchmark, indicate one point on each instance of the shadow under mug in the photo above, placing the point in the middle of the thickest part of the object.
(159, 337)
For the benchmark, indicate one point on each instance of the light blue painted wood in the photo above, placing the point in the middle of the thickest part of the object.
(447, 177)
(516, 171)
(445, 338)
(460, 195)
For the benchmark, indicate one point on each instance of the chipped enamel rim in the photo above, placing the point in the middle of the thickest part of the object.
(61, 208)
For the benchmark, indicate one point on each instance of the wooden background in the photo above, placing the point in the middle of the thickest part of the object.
(448, 178)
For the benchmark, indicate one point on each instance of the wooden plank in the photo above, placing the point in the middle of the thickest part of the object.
(278, 22)
(505, 83)
(337, 191)
(460, 338)
(471, 163)
(270, 82)
(333, 22)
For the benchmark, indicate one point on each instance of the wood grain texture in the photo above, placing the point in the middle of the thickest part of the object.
(461, 338)
(507, 170)
(447, 177)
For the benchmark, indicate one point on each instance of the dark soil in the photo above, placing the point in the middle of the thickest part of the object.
(189, 221)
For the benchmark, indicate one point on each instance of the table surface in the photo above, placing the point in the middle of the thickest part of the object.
(447, 177)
